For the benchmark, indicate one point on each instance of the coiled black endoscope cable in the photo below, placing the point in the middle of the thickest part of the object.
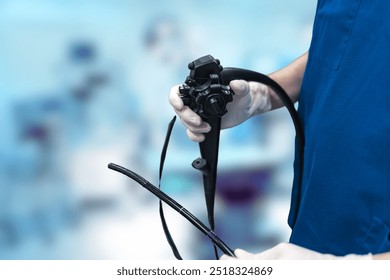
(229, 74)
(175, 205)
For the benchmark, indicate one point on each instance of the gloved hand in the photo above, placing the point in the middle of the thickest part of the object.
(288, 251)
(249, 99)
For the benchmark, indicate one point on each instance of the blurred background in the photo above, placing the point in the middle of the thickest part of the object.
(84, 83)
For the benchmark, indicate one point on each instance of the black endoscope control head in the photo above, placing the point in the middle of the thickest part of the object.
(203, 90)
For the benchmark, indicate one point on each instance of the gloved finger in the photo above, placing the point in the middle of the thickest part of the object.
(174, 98)
(240, 87)
(189, 117)
(196, 137)
(204, 127)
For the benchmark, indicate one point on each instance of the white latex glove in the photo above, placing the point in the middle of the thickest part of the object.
(288, 251)
(249, 99)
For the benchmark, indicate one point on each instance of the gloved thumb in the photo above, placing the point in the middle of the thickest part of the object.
(174, 98)
(240, 87)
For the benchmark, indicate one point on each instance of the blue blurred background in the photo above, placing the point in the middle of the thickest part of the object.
(84, 83)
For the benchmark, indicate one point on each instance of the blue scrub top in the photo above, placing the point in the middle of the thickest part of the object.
(344, 104)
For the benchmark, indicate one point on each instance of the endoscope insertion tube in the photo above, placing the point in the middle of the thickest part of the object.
(175, 205)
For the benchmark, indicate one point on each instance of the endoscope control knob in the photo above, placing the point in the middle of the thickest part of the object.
(203, 90)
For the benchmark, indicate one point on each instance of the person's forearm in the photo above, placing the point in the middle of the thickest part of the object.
(290, 79)
(383, 256)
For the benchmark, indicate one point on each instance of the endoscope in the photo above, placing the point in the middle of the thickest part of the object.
(207, 92)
